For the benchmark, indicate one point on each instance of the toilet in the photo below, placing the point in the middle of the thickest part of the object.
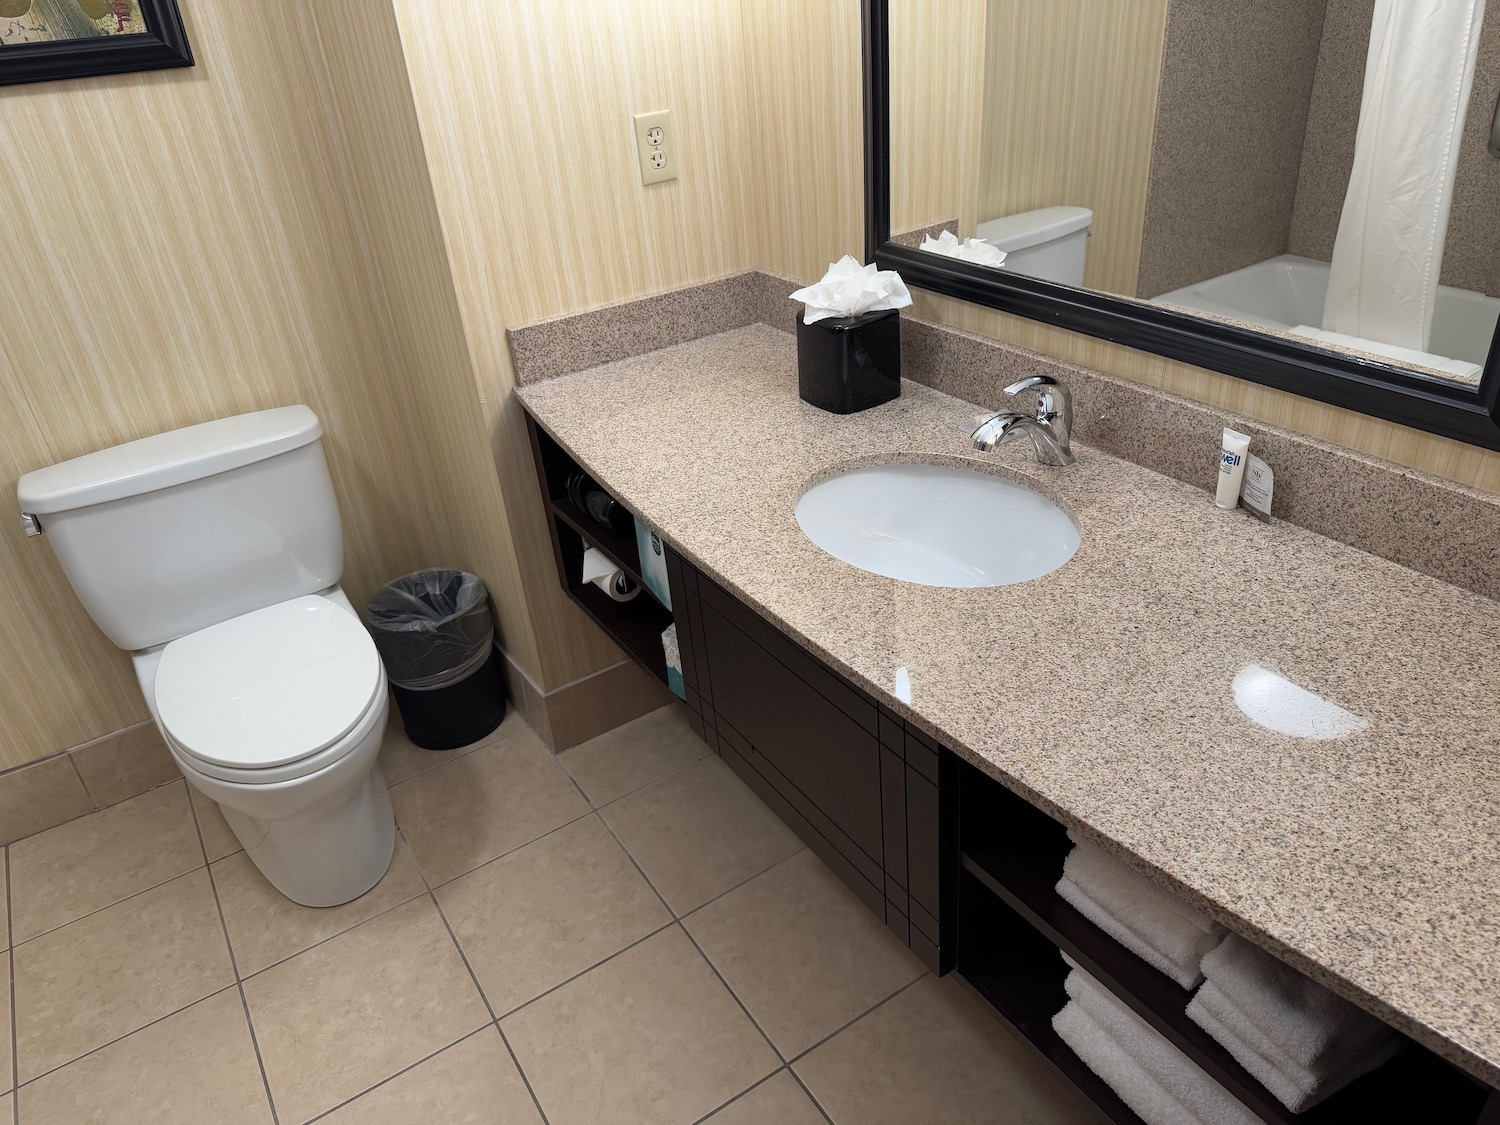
(213, 555)
(1050, 243)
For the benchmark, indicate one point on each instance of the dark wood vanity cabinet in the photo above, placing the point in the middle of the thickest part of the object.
(871, 798)
(959, 867)
(862, 791)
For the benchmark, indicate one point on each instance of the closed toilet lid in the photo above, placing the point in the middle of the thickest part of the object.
(268, 688)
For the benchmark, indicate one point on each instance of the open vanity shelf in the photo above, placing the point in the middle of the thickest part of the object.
(1012, 923)
(637, 625)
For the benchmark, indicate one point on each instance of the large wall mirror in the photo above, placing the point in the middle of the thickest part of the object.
(1302, 193)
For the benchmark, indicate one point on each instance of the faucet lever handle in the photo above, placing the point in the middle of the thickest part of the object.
(1054, 403)
(1031, 381)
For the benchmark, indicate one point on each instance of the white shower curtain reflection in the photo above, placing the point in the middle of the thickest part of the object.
(1389, 248)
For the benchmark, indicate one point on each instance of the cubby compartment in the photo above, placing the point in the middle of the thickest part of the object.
(635, 625)
(1012, 855)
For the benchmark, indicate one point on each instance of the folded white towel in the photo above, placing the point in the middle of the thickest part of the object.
(1361, 1051)
(1305, 1020)
(1123, 1074)
(1148, 921)
(1184, 973)
(1173, 1071)
(1294, 1085)
(1156, 914)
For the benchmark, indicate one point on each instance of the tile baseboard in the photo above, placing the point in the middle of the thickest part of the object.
(43, 794)
(578, 711)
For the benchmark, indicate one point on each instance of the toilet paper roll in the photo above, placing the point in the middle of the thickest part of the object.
(611, 579)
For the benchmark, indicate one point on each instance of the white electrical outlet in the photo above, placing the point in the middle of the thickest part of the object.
(653, 144)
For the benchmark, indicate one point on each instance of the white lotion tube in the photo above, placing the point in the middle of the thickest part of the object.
(1232, 468)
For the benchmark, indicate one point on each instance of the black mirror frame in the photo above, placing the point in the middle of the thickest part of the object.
(1466, 414)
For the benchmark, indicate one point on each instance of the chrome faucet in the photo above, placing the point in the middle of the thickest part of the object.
(1049, 427)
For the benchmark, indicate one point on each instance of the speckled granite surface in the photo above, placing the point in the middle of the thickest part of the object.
(1102, 692)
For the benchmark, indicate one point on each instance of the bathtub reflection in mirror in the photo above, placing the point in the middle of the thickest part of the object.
(1241, 160)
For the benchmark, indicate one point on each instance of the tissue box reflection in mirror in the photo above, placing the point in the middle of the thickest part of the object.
(851, 363)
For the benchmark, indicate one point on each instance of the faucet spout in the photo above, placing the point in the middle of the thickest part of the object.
(1049, 427)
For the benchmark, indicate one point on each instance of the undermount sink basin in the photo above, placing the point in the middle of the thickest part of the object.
(935, 525)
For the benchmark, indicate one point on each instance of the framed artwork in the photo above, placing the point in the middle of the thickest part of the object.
(42, 40)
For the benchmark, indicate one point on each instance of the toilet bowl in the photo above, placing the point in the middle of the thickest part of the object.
(278, 716)
(213, 555)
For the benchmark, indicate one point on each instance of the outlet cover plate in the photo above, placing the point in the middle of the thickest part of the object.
(654, 146)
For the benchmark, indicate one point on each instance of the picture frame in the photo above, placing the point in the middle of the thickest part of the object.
(96, 48)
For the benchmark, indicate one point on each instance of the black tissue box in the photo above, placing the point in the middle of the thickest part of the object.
(850, 363)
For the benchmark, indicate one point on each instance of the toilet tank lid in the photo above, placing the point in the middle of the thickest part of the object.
(1031, 228)
(163, 460)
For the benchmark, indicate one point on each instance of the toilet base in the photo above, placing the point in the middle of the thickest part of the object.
(327, 856)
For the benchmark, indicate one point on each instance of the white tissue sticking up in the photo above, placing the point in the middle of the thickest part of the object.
(850, 289)
(975, 250)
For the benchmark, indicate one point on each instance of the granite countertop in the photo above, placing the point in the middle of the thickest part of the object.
(1102, 692)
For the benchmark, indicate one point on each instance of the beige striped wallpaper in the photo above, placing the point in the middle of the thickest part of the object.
(348, 213)
(177, 247)
(298, 219)
(525, 115)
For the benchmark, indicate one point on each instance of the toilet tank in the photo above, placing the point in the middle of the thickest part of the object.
(173, 533)
(1051, 243)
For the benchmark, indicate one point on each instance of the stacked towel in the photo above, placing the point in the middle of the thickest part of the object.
(1298, 1039)
(1142, 917)
(1154, 1064)
(1109, 1061)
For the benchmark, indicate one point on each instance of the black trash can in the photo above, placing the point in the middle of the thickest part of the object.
(437, 640)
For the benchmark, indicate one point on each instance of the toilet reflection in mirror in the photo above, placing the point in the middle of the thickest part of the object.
(1314, 169)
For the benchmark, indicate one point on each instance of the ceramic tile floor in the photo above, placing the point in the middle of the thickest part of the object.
(620, 934)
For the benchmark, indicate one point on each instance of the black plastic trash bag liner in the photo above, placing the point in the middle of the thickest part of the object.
(433, 628)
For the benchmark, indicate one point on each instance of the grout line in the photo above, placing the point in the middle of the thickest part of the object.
(516, 1062)
(398, 1074)
(464, 957)
(645, 784)
(743, 1093)
(495, 859)
(817, 1105)
(347, 930)
(15, 1023)
(483, 996)
(109, 906)
(867, 1012)
(135, 894)
(95, 806)
(584, 972)
(732, 993)
(428, 888)
(87, 792)
(127, 1035)
(234, 966)
(641, 871)
(742, 882)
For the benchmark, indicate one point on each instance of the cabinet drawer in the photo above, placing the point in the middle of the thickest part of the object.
(832, 759)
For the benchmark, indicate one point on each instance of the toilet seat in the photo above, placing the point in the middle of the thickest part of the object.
(270, 695)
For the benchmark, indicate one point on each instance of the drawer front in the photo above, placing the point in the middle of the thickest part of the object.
(832, 759)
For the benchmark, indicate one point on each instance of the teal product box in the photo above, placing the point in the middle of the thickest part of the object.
(653, 562)
(673, 653)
